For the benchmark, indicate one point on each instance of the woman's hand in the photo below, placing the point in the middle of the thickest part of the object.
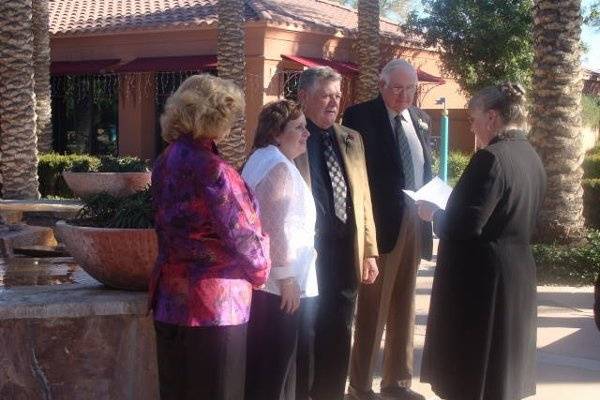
(426, 210)
(290, 295)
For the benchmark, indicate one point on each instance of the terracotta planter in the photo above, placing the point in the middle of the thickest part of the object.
(118, 184)
(120, 258)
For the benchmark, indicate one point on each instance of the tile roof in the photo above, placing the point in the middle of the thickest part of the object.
(73, 18)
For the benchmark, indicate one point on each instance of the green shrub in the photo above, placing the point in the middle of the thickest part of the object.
(591, 202)
(111, 164)
(105, 211)
(591, 166)
(593, 151)
(569, 264)
(457, 162)
(50, 168)
(590, 111)
(85, 165)
(122, 164)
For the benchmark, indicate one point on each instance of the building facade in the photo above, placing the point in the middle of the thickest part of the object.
(115, 63)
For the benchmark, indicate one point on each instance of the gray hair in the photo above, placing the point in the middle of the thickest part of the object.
(393, 65)
(507, 98)
(310, 76)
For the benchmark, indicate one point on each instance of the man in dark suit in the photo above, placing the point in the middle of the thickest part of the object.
(334, 164)
(396, 137)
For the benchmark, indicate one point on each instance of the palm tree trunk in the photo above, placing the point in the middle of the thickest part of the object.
(368, 50)
(18, 140)
(232, 65)
(41, 54)
(556, 116)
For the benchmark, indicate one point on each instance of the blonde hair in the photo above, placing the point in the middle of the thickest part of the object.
(203, 106)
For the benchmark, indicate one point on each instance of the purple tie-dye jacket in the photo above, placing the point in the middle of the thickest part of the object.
(212, 250)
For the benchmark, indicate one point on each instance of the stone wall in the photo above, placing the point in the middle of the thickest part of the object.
(75, 341)
(103, 357)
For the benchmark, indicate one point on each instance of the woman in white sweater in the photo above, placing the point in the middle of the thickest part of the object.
(287, 213)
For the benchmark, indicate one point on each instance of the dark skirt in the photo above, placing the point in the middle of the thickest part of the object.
(272, 338)
(201, 363)
(481, 330)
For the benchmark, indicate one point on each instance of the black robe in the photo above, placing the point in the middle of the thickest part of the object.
(481, 332)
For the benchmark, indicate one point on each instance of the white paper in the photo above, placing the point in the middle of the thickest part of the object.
(435, 191)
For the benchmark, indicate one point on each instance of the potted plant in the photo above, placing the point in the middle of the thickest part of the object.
(113, 239)
(119, 177)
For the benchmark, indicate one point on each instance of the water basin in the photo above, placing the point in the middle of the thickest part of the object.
(33, 271)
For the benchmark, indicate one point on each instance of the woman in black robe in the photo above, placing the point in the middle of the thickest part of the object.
(481, 332)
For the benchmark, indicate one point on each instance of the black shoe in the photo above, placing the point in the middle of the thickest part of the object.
(400, 393)
(355, 394)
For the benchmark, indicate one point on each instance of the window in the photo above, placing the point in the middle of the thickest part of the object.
(85, 114)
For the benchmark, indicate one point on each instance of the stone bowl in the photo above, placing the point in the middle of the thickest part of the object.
(119, 258)
(118, 184)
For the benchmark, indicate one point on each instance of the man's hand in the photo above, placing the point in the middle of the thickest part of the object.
(290, 295)
(426, 210)
(370, 270)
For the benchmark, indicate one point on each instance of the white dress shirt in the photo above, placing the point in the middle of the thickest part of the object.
(289, 218)
(416, 150)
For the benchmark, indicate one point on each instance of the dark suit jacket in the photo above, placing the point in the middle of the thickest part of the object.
(386, 177)
(352, 152)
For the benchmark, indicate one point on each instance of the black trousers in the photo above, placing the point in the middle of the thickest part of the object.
(338, 288)
(201, 363)
(305, 358)
(272, 337)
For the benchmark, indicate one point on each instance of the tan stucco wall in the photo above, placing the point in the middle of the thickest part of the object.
(264, 68)
(137, 125)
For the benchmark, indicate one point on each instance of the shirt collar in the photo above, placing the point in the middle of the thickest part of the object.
(313, 128)
(392, 114)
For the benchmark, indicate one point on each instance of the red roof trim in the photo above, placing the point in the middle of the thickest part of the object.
(343, 67)
(87, 67)
(425, 77)
(349, 68)
(170, 64)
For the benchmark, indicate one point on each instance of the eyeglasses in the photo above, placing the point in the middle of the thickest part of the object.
(396, 90)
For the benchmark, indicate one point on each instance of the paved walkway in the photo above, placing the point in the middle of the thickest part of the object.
(568, 341)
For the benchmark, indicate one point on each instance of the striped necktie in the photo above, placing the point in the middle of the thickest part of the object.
(405, 154)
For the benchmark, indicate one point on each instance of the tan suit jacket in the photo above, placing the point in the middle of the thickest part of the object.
(353, 156)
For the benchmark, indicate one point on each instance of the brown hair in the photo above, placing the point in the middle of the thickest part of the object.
(507, 98)
(203, 106)
(272, 121)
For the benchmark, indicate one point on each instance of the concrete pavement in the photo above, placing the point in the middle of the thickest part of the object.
(568, 358)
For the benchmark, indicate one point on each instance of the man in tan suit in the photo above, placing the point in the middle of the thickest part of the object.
(396, 137)
(345, 238)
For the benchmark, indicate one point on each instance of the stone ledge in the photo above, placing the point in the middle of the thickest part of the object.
(83, 299)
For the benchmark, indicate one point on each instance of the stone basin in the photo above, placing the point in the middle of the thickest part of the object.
(118, 184)
(119, 258)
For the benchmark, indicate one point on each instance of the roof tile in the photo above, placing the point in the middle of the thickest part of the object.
(69, 17)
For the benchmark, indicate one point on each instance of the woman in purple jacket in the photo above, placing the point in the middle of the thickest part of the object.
(212, 250)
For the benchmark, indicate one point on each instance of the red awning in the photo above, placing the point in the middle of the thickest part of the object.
(425, 77)
(86, 67)
(170, 64)
(343, 67)
(349, 68)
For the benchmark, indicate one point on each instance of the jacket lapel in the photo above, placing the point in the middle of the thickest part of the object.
(347, 152)
(386, 132)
